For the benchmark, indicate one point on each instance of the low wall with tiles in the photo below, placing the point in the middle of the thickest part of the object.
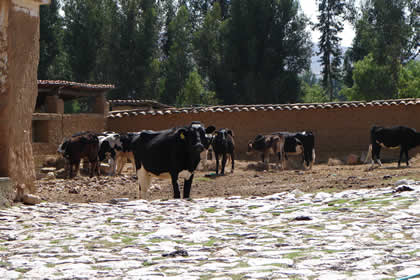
(340, 128)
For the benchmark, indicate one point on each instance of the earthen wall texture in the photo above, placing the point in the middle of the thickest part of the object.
(21, 91)
(338, 132)
(65, 126)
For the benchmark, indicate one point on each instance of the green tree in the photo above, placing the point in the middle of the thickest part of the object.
(51, 57)
(330, 25)
(371, 80)
(179, 62)
(83, 36)
(409, 85)
(266, 48)
(208, 49)
(194, 93)
(388, 30)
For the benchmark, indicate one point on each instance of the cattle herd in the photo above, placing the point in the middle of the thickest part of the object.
(167, 153)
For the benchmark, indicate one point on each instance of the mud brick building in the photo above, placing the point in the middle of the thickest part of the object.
(50, 122)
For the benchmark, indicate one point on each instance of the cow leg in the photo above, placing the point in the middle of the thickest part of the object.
(232, 157)
(223, 163)
(376, 150)
(217, 163)
(404, 151)
(187, 186)
(177, 194)
(76, 169)
(144, 180)
(133, 162)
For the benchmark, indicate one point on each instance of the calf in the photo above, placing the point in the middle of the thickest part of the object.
(207, 149)
(223, 145)
(127, 152)
(166, 153)
(268, 145)
(399, 136)
(109, 145)
(78, 146)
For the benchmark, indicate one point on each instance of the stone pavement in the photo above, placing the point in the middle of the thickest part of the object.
(355, 234)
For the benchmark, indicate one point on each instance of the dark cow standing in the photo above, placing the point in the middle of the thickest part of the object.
(166, 153)
(268, 145)
(297, 143)
(78, 146)
(399, 136)
(224, 145)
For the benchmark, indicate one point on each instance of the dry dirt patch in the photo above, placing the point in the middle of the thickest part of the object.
(247, 180)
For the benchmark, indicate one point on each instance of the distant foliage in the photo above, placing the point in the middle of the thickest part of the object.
(183, 52)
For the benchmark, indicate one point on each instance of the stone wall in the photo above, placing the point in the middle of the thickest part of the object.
(19, 56)
(338, 131)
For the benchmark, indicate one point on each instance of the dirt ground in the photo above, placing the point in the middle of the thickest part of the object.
(248, 179)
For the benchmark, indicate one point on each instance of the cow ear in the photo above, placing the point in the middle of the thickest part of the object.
(210, 129)
(230, 132)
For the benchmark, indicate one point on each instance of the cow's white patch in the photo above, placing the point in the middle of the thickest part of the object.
(196, 125)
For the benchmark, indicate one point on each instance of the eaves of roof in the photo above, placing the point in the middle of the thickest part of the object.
(264, 107)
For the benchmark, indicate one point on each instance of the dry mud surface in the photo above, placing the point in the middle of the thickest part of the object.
(247, 180)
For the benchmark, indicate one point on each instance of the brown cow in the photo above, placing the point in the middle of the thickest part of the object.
(268, 145)
(78, 146)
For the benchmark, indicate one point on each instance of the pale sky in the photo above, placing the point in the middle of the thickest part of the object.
(310, 9)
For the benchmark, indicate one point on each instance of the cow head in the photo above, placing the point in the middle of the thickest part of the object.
(258, 144)
(63, 147)
(194, 136)
(222, 136)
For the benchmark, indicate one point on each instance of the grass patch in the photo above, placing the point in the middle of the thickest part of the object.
(293, 255)
(337, 201)
(50, 265)
(96, 267)
(22, 270)
(210, 210)
(3, 248)
(54, 241)
(211, 242)
(203, 179)
(237, 221)
(253, 207)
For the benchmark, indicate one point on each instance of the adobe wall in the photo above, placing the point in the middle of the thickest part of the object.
(19, 56)
(60, 126)
(338, 132)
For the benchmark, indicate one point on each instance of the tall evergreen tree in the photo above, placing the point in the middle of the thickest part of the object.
(179, 62)
(83, 36)
(266, 48)
(50, 42)
(330, 25)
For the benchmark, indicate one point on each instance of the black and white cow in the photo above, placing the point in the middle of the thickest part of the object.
(224, 145)
(167, 153)
(109, 146)
(126, 153)
(393, 137)
(300, 143)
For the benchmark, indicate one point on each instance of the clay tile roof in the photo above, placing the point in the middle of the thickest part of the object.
(138, 103)
(72, 85)
(266, 107)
